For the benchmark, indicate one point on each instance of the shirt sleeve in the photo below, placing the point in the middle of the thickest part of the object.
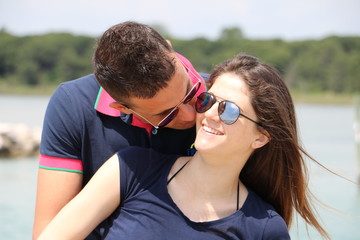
(140, 168)
(134, 164)
(61, 134)
(275, 228)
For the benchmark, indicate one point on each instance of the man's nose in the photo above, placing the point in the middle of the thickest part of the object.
(187, 112)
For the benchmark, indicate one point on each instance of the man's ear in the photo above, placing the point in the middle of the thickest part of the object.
(120, 107)
(262, 139)
(168, 41)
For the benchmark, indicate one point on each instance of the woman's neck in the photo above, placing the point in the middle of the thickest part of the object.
(206, 189)
(213, 176)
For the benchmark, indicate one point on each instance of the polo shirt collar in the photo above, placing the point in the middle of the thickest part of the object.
(102, 103)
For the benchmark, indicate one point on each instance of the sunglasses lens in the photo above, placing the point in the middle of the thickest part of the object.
(204, 102)
(187, 99)
(192, 93)
(169, 118)
(228, 112)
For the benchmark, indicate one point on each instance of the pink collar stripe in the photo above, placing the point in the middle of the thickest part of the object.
(102, 104)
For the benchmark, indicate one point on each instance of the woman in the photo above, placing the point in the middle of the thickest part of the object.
(246, 127)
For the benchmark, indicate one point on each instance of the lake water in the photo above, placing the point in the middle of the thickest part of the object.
(326, 131)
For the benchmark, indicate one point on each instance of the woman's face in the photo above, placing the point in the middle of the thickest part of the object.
(237, 139)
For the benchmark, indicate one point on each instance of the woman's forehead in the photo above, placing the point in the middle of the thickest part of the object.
(229, 83)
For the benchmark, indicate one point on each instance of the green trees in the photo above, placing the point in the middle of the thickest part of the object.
(328, 65)
(43, 60)
(331, 64)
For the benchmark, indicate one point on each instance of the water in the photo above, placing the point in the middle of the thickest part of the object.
(23, 109)
(326, 131)
(18, 176)
(17, 200)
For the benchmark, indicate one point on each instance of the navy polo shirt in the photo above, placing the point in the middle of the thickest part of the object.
(81, 131)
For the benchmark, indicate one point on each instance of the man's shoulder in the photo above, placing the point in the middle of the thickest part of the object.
(83, 90)
(73, 99)
(82, 84)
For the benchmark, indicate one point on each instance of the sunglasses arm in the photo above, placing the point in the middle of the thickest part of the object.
(257, 123)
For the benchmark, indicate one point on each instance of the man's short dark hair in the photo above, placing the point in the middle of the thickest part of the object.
(133, 60)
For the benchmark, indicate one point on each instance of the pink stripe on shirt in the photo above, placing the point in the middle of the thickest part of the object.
(61, 164)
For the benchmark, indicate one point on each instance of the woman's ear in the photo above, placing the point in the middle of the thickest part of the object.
(262, 139)
(120, 107)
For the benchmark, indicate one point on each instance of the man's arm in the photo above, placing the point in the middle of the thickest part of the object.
(59, 145)
(54, 190)
(96, 201)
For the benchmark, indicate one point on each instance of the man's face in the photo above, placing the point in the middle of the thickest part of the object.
(157, 108)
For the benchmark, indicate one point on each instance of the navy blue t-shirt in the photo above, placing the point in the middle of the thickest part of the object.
(148, 212)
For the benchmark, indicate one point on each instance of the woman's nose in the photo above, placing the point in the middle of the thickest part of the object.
(212, 112)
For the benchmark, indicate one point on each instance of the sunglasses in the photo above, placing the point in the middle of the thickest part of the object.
(168, 118)
(173, 113)
(228, 111)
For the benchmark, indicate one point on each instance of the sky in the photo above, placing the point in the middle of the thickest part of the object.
(187, 19)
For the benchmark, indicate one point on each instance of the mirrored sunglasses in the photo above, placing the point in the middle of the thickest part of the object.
(228, 111)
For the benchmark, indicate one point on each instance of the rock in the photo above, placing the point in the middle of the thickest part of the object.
(17, 140)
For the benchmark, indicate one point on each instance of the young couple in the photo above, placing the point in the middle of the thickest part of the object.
(244, 181)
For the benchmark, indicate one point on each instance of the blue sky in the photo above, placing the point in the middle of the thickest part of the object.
(258, 19)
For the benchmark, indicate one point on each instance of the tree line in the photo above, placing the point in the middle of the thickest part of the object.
(331, 64)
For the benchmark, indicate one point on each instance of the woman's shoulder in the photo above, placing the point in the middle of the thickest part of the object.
(256, 206)
(134, 150)
(142, 160)
(261, 211)
(136, 153)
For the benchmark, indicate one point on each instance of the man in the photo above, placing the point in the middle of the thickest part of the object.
(146, 99)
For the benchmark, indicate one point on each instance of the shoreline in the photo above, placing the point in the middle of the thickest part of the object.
(325, 98)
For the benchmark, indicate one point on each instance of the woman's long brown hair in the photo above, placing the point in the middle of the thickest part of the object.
(277, 171)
